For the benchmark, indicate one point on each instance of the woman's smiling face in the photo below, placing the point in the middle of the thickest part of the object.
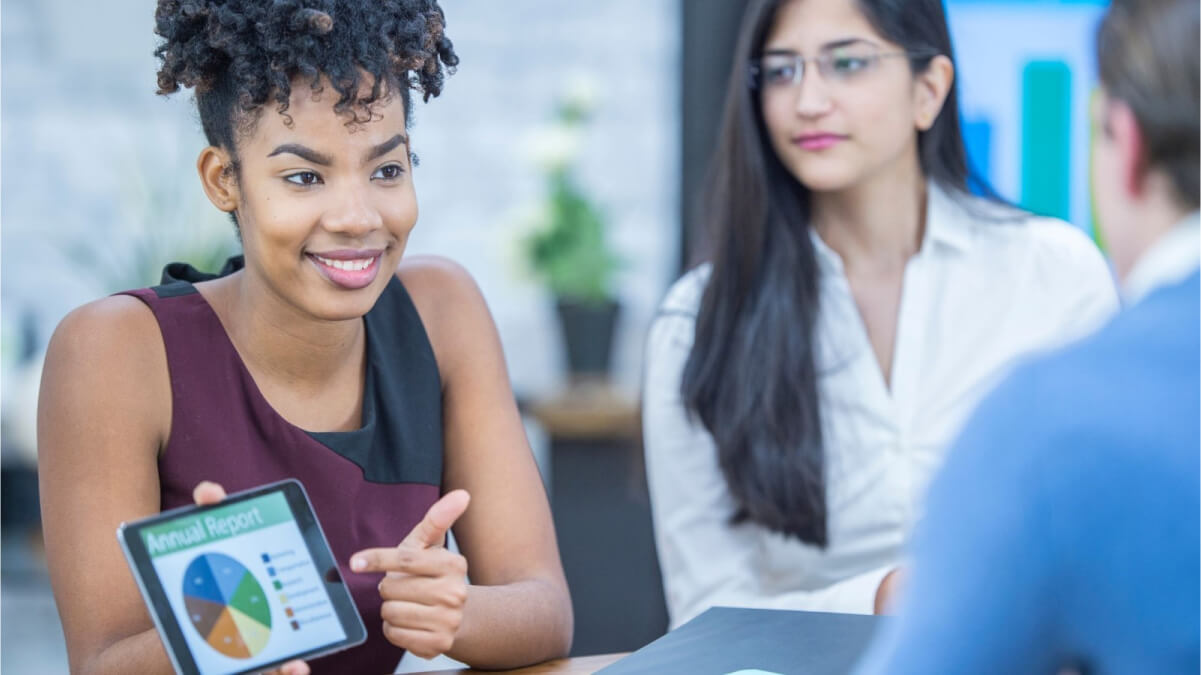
(324, 207)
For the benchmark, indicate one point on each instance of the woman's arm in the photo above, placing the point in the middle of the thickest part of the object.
(517, 609)
(103, 413)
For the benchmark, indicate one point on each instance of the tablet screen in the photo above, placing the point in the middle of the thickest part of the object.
(242, 584)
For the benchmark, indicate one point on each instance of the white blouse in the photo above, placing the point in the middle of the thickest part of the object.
(977, 295)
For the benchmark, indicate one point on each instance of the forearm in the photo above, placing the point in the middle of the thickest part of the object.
(514, 625)
(139, 653)
(739, 588)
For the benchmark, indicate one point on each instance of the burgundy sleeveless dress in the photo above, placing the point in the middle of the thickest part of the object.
(369, 487)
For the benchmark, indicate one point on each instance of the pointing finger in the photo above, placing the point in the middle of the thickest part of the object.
(431, 531)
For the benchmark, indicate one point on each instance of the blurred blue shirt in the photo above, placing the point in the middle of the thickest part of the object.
(1064, 528)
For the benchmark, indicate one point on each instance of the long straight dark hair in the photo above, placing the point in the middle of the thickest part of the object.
(751, 377)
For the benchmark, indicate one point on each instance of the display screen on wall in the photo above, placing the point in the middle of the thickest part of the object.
(1027, 71)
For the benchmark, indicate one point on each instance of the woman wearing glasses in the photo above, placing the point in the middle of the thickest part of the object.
(858, 300)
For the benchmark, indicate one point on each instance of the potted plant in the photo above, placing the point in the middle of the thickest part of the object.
(567, 249)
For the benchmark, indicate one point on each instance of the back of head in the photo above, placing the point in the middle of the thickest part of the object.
(1147, 54)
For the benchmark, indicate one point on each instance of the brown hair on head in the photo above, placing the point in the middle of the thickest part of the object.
(1147, 55)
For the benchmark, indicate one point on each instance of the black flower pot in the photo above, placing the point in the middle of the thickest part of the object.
(588, 334)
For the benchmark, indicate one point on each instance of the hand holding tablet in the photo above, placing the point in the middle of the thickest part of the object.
(244, 584)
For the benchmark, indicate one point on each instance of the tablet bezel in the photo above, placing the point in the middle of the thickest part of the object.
(161, 611)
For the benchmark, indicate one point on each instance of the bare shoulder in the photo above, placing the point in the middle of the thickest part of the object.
(434, 274)
(108, 354)
(442, 290)
(450, 304)
(118, 327)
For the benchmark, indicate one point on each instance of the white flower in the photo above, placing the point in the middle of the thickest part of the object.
(553, 148)
(582, 92)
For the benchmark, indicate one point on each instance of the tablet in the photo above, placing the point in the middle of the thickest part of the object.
(242, 585)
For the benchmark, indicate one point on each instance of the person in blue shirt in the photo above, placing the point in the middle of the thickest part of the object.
(1063, 532)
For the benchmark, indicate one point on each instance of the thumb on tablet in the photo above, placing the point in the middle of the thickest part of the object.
(291, 668)
(207, 492)
(442, 515)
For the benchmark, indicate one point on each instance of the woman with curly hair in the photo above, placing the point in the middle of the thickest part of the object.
(318, 354)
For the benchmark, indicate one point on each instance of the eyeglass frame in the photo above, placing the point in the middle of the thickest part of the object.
(754, 66)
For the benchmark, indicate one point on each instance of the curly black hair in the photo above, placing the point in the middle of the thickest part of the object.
(240, 54)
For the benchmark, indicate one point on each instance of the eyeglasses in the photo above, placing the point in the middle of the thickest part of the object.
(783, 70)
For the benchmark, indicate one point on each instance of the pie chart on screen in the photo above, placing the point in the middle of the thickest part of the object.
(226, 605)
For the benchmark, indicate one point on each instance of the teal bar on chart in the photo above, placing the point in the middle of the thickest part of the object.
(1046, 138)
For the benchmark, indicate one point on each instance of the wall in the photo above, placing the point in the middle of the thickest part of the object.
(99, 185)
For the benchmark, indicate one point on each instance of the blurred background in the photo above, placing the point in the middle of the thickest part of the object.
(560, 166)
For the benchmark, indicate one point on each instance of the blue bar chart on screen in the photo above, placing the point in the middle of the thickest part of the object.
(1025, 99)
